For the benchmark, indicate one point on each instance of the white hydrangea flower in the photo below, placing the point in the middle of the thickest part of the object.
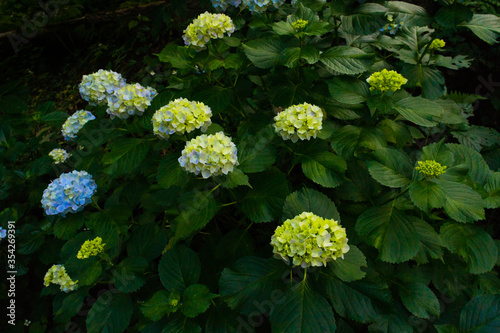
(181, 116)
(59, 155)
(130, 100)
(95, 87)
(210, 155)
(74, 124)
(302, 121)
(205, 27)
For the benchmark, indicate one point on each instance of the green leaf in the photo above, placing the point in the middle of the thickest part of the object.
(419, 110)
(431, 245)
(158, 306)
(463, 204)
(439, 152)
(179, 268)
(479, 171)
(147, 241)
(86, 271)
(126, 154)
(419, 299)
(409, 14)
(456, 62)
(67, 227)
(430, 79)
(493, 188)
(473, 244)
(128, 276)
(448, 328)
(346, 60)
(198, 208)
(451, 16)
(255, 154)
(348, 90)
(265, 52)
(310, 54)
(481, 314)
(309, 200)
(302, 310)
(283, 28)
(248, 280)
(427, 194)
(364, 19)
(355, 300)
(349, 268)
(111, 313)
(291, 56)
(390, 232)
(181, 325)
(170, 172)
(392, 168)
(55, 118)
(217, 98)
(195, 300)
(484, 26)
(235, 178)
(324, 168)
(265, 201)
(348, 139)
(391, 322)
(71, 305)
(179, 56)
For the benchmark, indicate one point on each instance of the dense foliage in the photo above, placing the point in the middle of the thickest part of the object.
(298, 167)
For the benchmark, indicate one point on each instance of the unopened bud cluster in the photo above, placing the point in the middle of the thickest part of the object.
(430, 168)
(437, 44)
(91, 248)
(386, 80)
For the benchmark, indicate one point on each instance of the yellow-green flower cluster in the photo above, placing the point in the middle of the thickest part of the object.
(437, 44)
(301, 121)
(91, 248)
(59, 155)
(130, 100)
(205, 27)
(57, 275)
(386, 80)
(309, 240)
(430, 168)
(181, 116)
(210, 155)
(300, 24)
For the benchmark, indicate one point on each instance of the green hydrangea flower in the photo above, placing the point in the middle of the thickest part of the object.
(181, 116)
(300, 24)
(437, 44)
(91, 248)
(302, 121)
(386, 80)
(210, 155)
(430, 168)
(59, 155)
(206, 27)
(309, 240)
(57, 275)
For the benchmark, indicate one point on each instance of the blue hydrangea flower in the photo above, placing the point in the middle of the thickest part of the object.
(69, 193)
(224, 4)
(130, 100)
(260, 6)
(95, 87)
(3, 232)
(74, 124)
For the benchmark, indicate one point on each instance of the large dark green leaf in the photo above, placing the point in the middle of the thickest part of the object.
(392, 167)
(349, 268)
(147, 241)
(265, 201)
(409, 14)
(126, 154)
(427, 194)
(473, 244)
(265, 52)
(129, 274)
(195, 300)
(324, 168)
(390, 231)
(484, 26)
(478, 169)
(348, 139)
(481, 314)
(303, 310)
(346, 60)
(309, 200)
(197, 209)
(431, 244)
(179, 268)
(110, 313)
(255, 154)
(159, 305)
(170, 172)
(419, 299)
(463, 204)
(451, 16)
(419, 110)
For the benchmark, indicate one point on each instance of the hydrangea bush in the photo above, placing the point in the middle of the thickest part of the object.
(297, 169)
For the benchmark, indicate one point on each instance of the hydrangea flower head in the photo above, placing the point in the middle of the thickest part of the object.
(3, 233)
(130, 100)
(69, 193)
(91, 248)
(224, 4)
(210, 155)
(57, 275)
(59, 155)
(260, 6)
(302, 121)
(181, 116)
(300, 24)
(95, 87)
(74, 124)
(391, 26)
(430, 168)
(386, 80)
(205, 27)
(309, 240)
(437, 44)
